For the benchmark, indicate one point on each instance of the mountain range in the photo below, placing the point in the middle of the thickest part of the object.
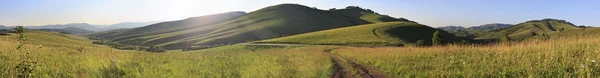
(530, 29)
(90, 27)
(485, 27)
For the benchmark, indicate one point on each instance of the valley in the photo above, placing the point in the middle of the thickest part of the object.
(298, 41)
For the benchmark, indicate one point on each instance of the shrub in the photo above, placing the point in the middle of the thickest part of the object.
(63, 32)
(505, 38)
(421, 43)
(112, 71)
(156, 49)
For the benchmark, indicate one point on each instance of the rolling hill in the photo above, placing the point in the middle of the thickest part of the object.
(377, 34)
(266, 23)
(70, 30)
(485, 27)
(86, 26)
(530, 29)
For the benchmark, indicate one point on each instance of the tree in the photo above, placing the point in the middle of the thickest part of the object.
(436, 39)
(186, 45)
(505, 38)
(332, 9)
(422, 43)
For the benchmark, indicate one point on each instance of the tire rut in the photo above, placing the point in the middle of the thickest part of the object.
(345, 68)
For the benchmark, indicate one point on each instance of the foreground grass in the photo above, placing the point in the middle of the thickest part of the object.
(568, 56)
(63, 56)
(58, 55)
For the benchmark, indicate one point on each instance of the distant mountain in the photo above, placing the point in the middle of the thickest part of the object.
(91, 27)
(3, 27)
(126, 25)
(266, 23)
(452, 28)
(472, 31)
(486, 27)
(529, 29)
(70, 30)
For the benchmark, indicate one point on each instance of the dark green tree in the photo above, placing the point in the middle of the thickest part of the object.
(436, 39)
(505, 38)
(422, 43)
(187, 45)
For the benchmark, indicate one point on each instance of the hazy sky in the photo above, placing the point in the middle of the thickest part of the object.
(429, 12)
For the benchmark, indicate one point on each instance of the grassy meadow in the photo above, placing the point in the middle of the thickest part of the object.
(61, 55)
(575, 55)
(570, 54)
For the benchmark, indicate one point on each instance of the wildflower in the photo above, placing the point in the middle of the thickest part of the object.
(594, 61)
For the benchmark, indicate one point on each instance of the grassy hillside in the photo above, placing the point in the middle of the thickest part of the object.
(167, 27)
(569, 54)
(65, 56)
(530, 29)
(471, 32)
(270, 22)
(564, 55)
(377, 34)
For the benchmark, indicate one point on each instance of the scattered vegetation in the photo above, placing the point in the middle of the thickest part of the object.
(377, 34)
(155, 49)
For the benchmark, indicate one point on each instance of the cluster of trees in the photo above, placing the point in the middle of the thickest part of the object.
(437, 39)
(130, 47)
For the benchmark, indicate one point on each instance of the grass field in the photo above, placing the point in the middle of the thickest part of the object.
(59, 55)
(576, 55)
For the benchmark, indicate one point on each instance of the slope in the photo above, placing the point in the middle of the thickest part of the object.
(270, 22)
(377, 34)
(57, 55)
(70, 30)
(166, 27)
(529, 29)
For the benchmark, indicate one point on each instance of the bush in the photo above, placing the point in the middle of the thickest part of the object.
(112, 72)
(156, 49)
(63, 32)
(505, 38)
(422, 43)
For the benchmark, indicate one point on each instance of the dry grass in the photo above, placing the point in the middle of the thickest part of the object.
(60, 56)
(573, 56)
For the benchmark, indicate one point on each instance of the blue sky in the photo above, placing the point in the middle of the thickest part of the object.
(429, 12)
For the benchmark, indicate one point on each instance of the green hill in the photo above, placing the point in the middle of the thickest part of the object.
(530, 29)
(70, 30)
(270, 22)
(377, 34)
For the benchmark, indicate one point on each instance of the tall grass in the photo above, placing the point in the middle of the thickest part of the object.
(576, 55)
(63, 56)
